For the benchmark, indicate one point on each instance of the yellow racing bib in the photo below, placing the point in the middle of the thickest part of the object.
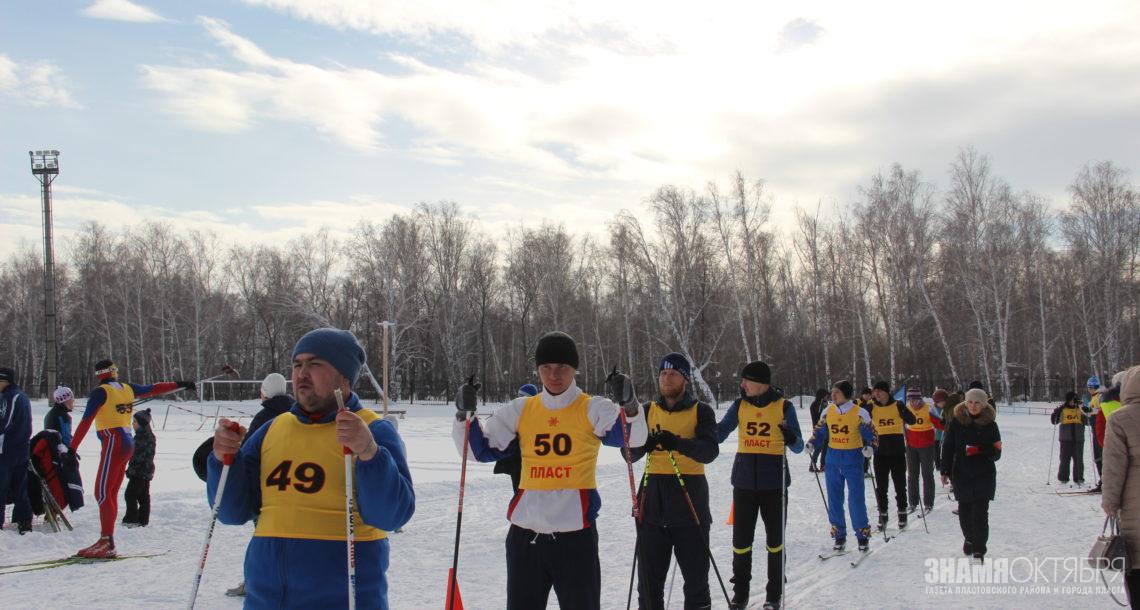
(1071, 416)
(922, 421)
(886, 419)
(559, 447)
(843, 428)
(759, 430)
(684, 425)
(302, 482)
(116, 410)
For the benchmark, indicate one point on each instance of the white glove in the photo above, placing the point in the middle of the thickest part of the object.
(868, 451)
(809, 447)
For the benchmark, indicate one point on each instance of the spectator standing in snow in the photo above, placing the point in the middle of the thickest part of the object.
(970, 447)
(140, 472)
(15, 436)
(1121, 491)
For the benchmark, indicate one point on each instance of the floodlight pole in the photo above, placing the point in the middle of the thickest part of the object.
(45, 168)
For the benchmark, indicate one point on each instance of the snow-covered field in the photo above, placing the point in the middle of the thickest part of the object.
(1028, 522)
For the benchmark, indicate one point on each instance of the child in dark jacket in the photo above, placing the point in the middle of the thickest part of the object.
(140, 471)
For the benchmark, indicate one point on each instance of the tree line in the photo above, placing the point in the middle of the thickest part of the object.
(909, 282)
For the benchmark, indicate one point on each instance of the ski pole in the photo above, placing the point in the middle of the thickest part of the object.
(453, 584)
(875, 487)
(349, 522)
(638, 510)
(783, 523)
(821, 495)
(226, 370)
(697, 521)
(1049, 469)
(227, 460)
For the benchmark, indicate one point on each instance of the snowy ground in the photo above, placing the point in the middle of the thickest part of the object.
(1027, 521)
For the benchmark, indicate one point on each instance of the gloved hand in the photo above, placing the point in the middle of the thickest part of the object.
(868, 451)
(468, 399)
(789, 435)
(809, 447)
(664, 439)
(619, 388)
(972, 450)
(186, 385)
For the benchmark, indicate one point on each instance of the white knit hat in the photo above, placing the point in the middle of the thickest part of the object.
(273, 385)
(62, 394)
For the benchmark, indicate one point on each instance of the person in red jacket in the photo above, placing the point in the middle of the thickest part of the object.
(920, 450)
(110, 407)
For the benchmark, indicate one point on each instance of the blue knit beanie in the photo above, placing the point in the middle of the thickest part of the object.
(339, 347)
(677, 362)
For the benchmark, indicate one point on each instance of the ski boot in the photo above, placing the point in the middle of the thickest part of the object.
(882, 521)
(239, 591)
(772, 605)
(104, 548)
(840, 544)
(23, 527)
(902, 519)
(967, 548)
(864, 538)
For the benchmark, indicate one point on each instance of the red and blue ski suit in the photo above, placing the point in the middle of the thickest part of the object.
(110, 408)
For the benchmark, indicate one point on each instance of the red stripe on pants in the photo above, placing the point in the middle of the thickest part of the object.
(118, 446)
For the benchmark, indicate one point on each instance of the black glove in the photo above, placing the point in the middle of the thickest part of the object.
(619, 388)
(468, 399)
(186, 385)
(663, 439)
(789, 435)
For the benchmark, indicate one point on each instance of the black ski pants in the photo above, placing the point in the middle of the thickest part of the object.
(974, 519)
(749, 504)
(137, 498)
(566, 561)
(1072, 453)
(655, 546)
(888, 468)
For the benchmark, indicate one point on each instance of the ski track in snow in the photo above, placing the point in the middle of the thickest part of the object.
(1023, 523)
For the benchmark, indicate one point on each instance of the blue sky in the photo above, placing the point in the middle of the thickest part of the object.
(260, 119)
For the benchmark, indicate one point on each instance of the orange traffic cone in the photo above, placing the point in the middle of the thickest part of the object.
(452, 585)
(731, 513)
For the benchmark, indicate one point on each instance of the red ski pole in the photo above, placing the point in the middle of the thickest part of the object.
(453, 580)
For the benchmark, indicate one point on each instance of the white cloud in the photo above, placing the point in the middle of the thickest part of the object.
(121, 10)
(574, 103)
(38, 83)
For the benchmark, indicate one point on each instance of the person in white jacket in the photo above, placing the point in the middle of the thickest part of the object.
(553, 541)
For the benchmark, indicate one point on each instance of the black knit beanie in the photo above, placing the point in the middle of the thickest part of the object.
(845, 387)
(556, 348)
(884, 386)
(757, 371)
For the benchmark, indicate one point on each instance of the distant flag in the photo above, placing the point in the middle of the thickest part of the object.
(900, 395)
